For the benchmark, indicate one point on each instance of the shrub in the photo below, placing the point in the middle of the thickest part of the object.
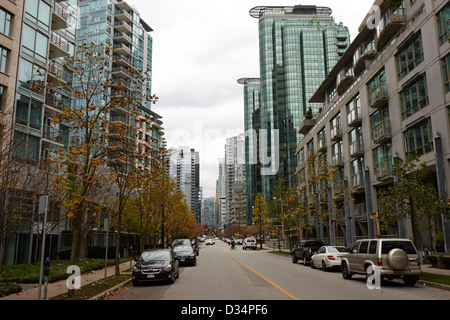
(9, 288)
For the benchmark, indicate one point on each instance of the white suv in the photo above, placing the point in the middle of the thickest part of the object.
(249, 243)
(390, 258)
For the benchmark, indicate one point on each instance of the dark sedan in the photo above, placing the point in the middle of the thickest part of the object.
(156, 265)
(186, 254)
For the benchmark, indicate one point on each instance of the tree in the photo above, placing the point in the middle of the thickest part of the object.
(259, 218)
(410, 197)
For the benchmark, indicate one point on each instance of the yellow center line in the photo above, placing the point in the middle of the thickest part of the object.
(276, 286)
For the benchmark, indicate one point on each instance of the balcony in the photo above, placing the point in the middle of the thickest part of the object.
(360, 211)
(123, 5)
(383, 169)
(354, 118)
(364, 53)
(122, 37)
(306, 125)
(59, 47)
(358, 182)
(381, 132)
(378, 96)
(356, 149)
(122, 26)
(53, 135)
(321, 145)
(57, 74)
(122, 15)
(60, 17)
(122, 60)
(337, 160)
(336, 133)
(121, 72)
(122, 49)
(56, 105)
(392, 21)
(344, 79)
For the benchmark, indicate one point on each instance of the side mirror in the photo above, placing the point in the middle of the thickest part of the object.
(136, 259)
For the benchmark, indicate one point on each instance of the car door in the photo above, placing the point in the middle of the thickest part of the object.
(317, 257)
(361, 256)
(353, 255)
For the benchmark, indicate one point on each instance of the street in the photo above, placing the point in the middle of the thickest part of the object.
(222, 274)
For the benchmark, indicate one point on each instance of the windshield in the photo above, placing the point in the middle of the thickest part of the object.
(155, 256)
(182, 249)
(178, 242)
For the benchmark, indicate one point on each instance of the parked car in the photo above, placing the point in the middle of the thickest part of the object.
(304, 249)
(238, 241)
(185, 242)
(156, 265)
(249, 243)
(209, 242)
(328, 257)
(186, 254)
(393, 258)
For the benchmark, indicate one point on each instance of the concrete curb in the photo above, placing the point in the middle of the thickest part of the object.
(434, 285)
(102, 295)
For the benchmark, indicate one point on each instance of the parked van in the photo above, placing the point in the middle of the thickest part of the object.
(249, 243)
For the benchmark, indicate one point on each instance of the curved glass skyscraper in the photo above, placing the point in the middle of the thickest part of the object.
(298, 46)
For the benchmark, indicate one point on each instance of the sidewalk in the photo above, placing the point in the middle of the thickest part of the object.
(56, 288)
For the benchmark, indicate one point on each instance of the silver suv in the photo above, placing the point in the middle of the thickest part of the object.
(390, 258)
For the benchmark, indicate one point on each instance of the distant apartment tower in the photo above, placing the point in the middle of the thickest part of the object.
(234, 175)
(299, 45)
(209, 213)
(220, 196)
(387, 97)
(184, 166)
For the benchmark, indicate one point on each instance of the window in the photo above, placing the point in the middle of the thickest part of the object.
(31, 76)
(2, 97)
(6, 20)
(25, 147)
(377, 88)
(4, 57)
(414, 97)
(410, 56)
(419, 138)
(373, 247)
(383, 160)
(29, 112)
(354, 111)
(446, 72)
(363, 247)
(442, 21)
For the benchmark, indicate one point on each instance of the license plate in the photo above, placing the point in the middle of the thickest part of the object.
(413, 262)
(182, 260)
(150, 276)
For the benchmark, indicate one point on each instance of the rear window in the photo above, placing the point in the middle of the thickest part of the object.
(315, 244)
(404, 245)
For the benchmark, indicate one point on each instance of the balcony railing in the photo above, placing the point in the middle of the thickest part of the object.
(381, 131)
(59, 47)
(357, 148)
(345, 79)
(60, 17)
(366, 51)
(378, 96)
(392, 21)
(383, 169)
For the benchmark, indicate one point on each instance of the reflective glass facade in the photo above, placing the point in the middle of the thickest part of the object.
(298, 47)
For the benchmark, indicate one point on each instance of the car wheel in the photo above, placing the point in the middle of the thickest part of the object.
(305, 261)
(324, 266)
(294, 259)
(135, 283)
(346, 274)
(410, 281)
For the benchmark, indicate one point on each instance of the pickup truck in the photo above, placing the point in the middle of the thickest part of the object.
(304, 249)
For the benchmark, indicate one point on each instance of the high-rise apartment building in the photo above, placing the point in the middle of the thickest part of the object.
(298, 47)
(184, 167)
(387, 97)
(235, 179)
(252, 96)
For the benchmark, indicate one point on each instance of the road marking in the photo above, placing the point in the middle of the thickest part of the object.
(275, 285)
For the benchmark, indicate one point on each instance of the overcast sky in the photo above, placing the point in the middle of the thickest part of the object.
(200, 49)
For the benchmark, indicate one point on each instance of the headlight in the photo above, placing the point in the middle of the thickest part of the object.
(137, 268)
(167, 269)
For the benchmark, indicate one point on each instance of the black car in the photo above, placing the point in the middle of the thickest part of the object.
(185, 242)
(186, 254)
(304, 249)
(156, 265)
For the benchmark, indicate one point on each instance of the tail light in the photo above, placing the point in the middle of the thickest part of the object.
(331, 257)
(380, 263)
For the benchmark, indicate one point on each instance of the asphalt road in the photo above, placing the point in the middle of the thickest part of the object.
(222, 274)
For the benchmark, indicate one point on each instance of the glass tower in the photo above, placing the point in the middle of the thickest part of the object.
(298, 46)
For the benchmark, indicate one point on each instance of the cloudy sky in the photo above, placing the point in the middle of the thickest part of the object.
(200, 49)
